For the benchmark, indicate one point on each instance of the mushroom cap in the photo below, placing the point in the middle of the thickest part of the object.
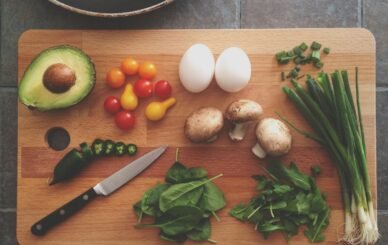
(243, 111)
(204, 124)
(274, 136)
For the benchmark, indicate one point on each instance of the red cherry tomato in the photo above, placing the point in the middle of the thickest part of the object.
(143, 88)
(163, 89)
(125, 120)
(112, 105)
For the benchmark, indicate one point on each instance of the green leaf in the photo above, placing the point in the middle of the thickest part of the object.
(212, 198)
(177, 220)
(150, 201)
(282, 189)
(178, 173)
(201, 232)
(314, 232)
(238, 211)
(183, 194)
(177, 239)
(262, 182)
(138, 211)
(291, 173)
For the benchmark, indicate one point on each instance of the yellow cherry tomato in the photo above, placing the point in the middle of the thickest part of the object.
(156, 110)
(147, 70)
(129, 100)
(129, 66)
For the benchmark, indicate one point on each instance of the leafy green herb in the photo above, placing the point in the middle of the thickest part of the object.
(287, 200)
(183, 194)
(201, 232)
(177, 220)
(182, 206)
(178, 173)
(150, 201)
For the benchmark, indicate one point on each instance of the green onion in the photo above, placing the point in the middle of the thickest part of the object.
(315, 56)
(315, 46)
(283, 76)
(303, 46)
(297, 50)
(326, 50)
(319, 64)
(327, 104)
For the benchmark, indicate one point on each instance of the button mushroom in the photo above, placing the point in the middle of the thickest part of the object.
(241, 114)
(203, 125)
(273, 138)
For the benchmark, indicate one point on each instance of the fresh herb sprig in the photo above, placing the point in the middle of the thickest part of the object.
(287, 199)
(182, 206)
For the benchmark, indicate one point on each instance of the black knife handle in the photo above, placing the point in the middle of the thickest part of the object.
(42, 226)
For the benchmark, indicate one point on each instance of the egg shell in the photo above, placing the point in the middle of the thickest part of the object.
(233, 70)
(196, 68)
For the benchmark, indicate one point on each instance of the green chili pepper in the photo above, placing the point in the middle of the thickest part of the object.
(86, 151)
(131, 149)
(120, 148)
(68, 166)
(109, 147)
(98, 147)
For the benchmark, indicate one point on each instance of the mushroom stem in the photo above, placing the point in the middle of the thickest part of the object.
(237, 133)
(259, 151)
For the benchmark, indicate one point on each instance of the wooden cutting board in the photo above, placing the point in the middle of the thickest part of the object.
(110, 220)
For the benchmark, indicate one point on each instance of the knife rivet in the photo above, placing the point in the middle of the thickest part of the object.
(85, 197)
(62, 212)
(39, 227)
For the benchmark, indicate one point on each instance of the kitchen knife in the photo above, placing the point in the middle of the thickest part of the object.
(104, 188)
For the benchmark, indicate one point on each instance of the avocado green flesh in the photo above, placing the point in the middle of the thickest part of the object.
(32, 91)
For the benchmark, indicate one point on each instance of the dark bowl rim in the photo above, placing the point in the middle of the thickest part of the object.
(111, 15)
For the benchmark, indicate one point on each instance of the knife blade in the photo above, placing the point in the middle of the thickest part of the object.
(104, 188)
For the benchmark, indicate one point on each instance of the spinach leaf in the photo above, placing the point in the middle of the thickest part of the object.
(238, 211)
(138, 211)
(177, 239)
(314, 233)
(177, 220)
(183, 194)
(292, 174)
(150, 201)
(178, 173)
(212, 198)
(201, 232)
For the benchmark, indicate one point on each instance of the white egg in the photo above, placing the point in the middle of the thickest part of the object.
(196, 69)
(233, 70)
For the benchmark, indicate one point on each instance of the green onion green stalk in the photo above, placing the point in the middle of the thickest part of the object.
(327, 104)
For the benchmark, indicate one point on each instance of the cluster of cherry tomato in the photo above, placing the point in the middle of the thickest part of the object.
(142, 88)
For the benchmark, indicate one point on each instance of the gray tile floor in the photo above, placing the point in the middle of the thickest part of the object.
(20, 15)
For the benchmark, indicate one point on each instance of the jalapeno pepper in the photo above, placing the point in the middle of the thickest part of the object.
(109, 147)
(72, 163)
(131, 149)
(86, 151)
(120, 148)
(68, 166)
(98, 147)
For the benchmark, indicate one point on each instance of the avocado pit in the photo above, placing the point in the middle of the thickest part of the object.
(59, 78)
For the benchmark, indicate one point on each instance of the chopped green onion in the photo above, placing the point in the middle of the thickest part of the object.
(297, 68)
(298, 51)
(326, 50)
(303, 46)
(283, 76)
(315, 56)
(280, 55)
(315, 46)
(284, 60)
(290, 53)
(293, 73)
(319, 64)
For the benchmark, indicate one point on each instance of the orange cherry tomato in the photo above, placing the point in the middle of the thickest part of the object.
(129, 66)
(147, 70)
(115, 78)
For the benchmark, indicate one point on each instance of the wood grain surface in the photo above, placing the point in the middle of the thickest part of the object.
(110, 220)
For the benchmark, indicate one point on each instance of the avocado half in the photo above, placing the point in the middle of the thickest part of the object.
(59, 77)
